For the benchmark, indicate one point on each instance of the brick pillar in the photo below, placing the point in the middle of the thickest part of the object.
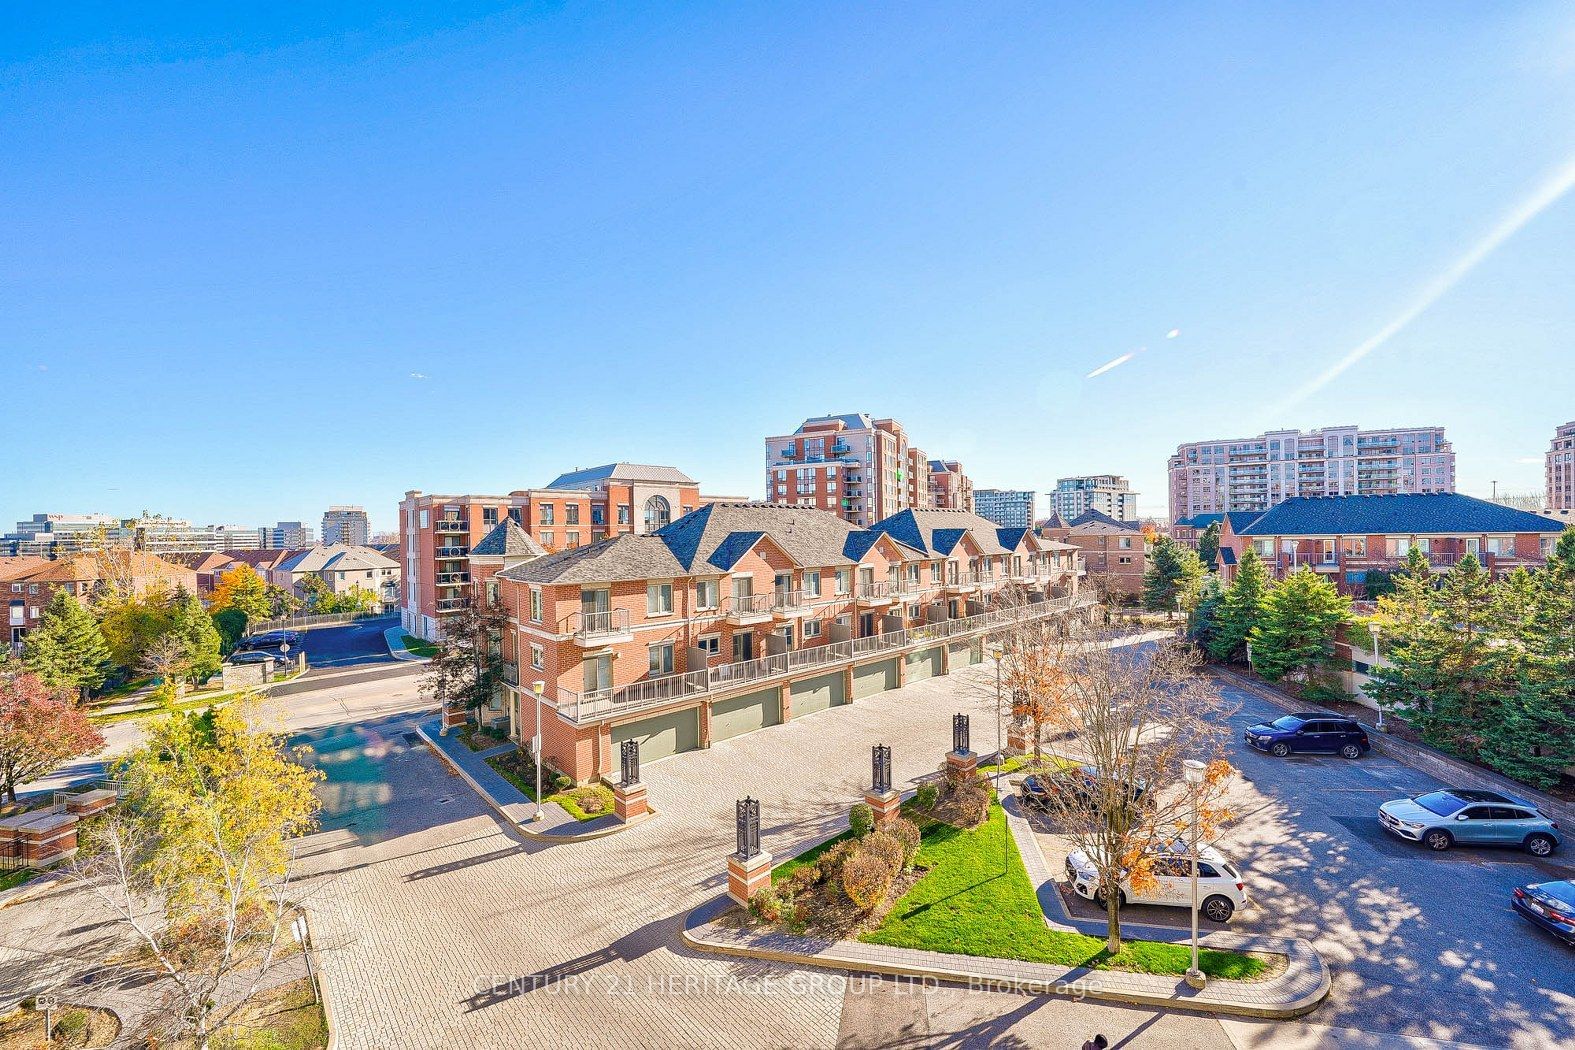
(1019, 738)
(946, 657)
(629, 802)
(453, 718)
(785, 701)
(964, 764)
(705, 723)
(902, 669)
(887, 805)
(745, 878)
(847, 683)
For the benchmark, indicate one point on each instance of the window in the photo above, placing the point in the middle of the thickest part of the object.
(687, 510)
(546, 539)
(661, 657)
(571, 513)
(489, 516)
(1126, 543)
(572, 538)
(812, 584)
(535, 604)
(844, 581)
(705, 594)
(658, 599)
(547, 513)
(423, 519)
(492, 592)
(538, 656)
(625, 514)
(710, 644)
(598, 515)
(658, 512)
(935, 572)
(811, 628)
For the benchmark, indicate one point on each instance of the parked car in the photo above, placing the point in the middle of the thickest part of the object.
(270, 640)
(1309, 734)
(1221, 888)
(1550, 905)
(1441, 819)
(1079, 783)
(252, 657)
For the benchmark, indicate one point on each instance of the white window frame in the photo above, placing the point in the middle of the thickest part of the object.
(652, 591)
(538, 657)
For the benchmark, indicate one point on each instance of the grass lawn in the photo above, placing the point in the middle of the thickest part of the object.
(12, 879)
(417, 647)
(574, 800)
(513, 768)
(966, 904)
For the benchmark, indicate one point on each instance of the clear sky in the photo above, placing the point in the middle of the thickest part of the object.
(260, 258)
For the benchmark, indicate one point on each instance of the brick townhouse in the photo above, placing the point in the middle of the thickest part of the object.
(740, 616)
(29, 583)
(1346, 537)
(575, 509)
(1115, 553)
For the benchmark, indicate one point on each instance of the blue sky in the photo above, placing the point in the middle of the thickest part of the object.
(266, 258)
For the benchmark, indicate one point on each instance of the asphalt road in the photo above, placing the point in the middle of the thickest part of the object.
(1420, 944)
(361, 642)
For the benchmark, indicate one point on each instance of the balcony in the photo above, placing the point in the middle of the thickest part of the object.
(448, 605)
(451, 579)
(788, 604)
(874, 594)
(601, 627)
(742, 610)
(962, 583)
(451, 552)
(717, 683)
(450, 525)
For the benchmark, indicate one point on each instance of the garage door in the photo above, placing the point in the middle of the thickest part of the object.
(874, 678)
(661, 736)
(745, 714)
(925, 664)
(818, 694)
(963, 654)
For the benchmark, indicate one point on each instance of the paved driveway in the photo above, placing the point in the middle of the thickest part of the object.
(1419, 943)
(360, 642)
(437, 928)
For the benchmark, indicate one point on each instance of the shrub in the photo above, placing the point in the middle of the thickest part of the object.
(887, 849)
(71, 1024)
(927, 796)
(906, 832)
(829, 867)
(861, 819)
(561, 782)
(766, 905)
(800, 881)
(866, 879)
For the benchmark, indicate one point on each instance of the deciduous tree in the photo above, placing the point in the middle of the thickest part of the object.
(40, 730)
(131, 621)
(241, 588)
(467, 670)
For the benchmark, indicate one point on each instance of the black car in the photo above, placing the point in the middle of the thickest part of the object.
(270, 640)
(1079, 784)
(1311, 733)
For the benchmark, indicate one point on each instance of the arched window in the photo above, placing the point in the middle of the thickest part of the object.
(658, 512)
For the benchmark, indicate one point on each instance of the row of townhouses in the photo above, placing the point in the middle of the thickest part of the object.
(742, 615)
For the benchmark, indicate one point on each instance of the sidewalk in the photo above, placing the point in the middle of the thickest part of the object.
(395, 637)
(1448, 770)
(508, 801)
(1299, 990)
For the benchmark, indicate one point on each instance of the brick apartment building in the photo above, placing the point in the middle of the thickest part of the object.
(740, 616)
(28, 583)
(859, 468)
(574, 510)
(1346, 537)
(1253, 474)
(1114, 553)
(1561, 469)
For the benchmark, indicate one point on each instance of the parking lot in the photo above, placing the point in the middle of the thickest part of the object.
(1418, 942)
(348, 645)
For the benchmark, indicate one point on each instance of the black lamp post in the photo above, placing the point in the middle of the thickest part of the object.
(748, 828)
(960, 734)
(629, 754)
(880, 765)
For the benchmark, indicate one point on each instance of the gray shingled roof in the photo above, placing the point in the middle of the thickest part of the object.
(1098, 521)
(936, 533)
(851, 420)
(620, 558)
(337, 556)
(590, 477)
(1432, 512)
(508, 540)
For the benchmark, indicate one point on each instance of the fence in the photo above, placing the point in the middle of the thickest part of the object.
(307, 621)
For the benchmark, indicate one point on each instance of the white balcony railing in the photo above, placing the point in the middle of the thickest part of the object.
(592, 626)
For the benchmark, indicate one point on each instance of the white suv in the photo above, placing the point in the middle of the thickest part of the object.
(1221, 889)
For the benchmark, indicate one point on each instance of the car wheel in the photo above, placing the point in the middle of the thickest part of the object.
(1351, 751)
(1280, 750)
(1437, 841)
(1540, 845)
(1101, 901)
(1217, 908)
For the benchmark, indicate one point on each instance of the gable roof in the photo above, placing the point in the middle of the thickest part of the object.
(1226, 555)
(1240, 519)
(1200, 521)
(336, 557)
(849, 420)
(14, 568)
(937, 533)
(88, 568)
(625, 557)
(1054, 521)
(591, 477)
(508, 540)
(810, 537)
(1409, 513)
(1098, 521)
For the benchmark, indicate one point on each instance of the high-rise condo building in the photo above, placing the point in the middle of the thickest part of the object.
(1009, 508)
(1561, 469)
(1109, 494)
(346, 525)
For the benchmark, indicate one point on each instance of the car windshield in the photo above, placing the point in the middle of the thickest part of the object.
(1440, 802)
(1289, 722)
(1563, 892)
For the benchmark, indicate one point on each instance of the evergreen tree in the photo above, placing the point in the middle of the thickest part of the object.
(1531, 734)
(1203, 623)
(1295, 635)
(1173, 570)
(192, 625)
(1241, 608)
(1209, 546)
(231, 625)
(67, 650)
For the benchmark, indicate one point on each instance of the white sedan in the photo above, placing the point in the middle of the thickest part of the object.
(1221, 889)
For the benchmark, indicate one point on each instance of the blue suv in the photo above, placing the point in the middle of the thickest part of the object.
(1318, 734)
(1440, 819)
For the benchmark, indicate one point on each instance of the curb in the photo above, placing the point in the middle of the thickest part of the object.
(525, 829)
(394, 638)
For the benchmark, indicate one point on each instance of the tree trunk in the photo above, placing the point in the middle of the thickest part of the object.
(1113, 922)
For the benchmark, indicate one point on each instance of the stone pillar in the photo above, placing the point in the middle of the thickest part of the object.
(1019, 738)
(747, 877)
(89, 803)
(629, 802)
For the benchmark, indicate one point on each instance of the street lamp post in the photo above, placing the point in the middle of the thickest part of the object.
(1000, 756)
(1372, 625)
(1192, 773)
(537, 688)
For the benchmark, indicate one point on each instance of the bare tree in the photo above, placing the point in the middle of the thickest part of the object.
(168, 660)
(1032, 667)
(1135, 715)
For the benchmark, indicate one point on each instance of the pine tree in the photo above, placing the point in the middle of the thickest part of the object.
(200, 639)
(1204, 622)
(1209, 546)
(67, 650)
(1295, 635)
(1241, 608)
(1173, 571)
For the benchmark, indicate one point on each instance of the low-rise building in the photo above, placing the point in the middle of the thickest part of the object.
(1115, 553)
(342, 568)
(28, 584)
(740, 616)
(1348, 537)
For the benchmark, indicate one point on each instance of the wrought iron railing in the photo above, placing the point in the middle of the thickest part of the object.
(447, 525)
